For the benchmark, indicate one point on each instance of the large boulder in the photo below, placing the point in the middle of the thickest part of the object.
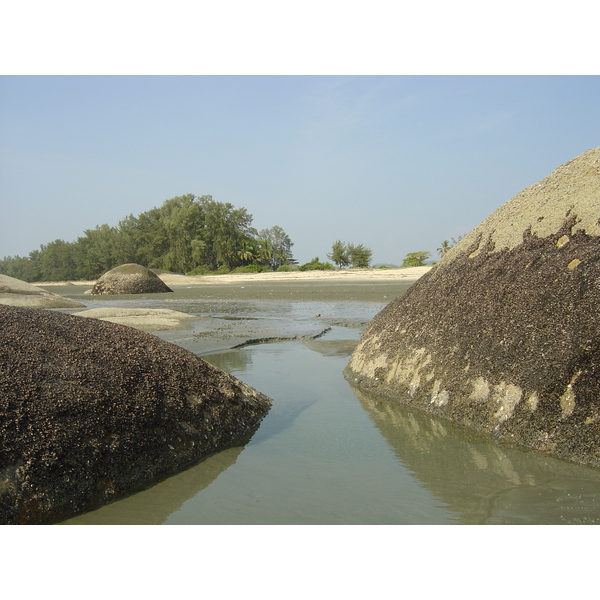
(14, 292)
(130, 279)
(91, 411)
(503, 335)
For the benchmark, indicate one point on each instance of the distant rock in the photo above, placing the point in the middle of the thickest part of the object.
(130, 279)
(14, 292)
(92, 411)
(503, 335)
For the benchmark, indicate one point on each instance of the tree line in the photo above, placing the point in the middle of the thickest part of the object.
(187, 234)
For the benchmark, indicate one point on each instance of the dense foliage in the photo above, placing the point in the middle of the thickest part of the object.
(416, 259)
(187, 234)
(316, 265)
(344, 255)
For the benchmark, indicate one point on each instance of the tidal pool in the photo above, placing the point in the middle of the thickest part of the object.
(327, 454)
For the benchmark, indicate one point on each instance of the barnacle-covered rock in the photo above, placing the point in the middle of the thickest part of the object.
(130, 279)
(91, 411)
(503, 334)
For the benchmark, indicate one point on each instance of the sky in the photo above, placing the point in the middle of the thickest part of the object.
(397, 163)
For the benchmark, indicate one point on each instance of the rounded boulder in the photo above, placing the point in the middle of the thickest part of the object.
(130, 279)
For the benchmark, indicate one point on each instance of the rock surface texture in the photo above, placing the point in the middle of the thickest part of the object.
(503, 335)
(91, 411)
(130, 279)
(14, 292)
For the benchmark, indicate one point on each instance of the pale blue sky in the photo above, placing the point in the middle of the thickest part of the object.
(398, 163)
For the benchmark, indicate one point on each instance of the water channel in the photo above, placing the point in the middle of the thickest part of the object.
(328, 454)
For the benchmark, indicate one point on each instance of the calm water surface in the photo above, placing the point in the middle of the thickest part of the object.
(326, 454)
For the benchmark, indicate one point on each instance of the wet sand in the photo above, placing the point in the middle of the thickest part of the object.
(228, 311)
(320, 437)
(362, 285)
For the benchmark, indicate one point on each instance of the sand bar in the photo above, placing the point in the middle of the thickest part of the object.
(215, 332)
(366, 275)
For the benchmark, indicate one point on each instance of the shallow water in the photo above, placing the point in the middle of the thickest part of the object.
(326, 454)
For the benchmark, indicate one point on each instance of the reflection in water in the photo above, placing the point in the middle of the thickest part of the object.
(231, 361)
(154, 505)
(282, 415)
(323, 457)
(480, 480)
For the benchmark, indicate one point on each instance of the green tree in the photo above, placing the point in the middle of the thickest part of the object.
(225, 229)
(339, 254)
(354, 255)
(181, 223)
(444, 247)
(26, 268)
(316, 265)
(277, 245)
(96, 252)
(247, 252)
(416, 259)
(185, 233)
(360, 256)
(57, 261)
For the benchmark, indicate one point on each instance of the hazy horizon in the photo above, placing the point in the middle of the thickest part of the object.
(397, 163)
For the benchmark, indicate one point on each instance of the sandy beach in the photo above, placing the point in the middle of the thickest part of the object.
(358, 275)
(362, 275)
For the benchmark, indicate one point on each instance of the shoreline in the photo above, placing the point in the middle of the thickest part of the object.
(400, 275)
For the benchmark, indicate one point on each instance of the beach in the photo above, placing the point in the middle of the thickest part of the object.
(213, 313)
(326, 453)
(367, 285)
(358, 275)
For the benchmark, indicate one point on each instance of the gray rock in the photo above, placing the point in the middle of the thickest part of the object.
(91, 411)
(14, 292)
(130, 279)
(503, 335)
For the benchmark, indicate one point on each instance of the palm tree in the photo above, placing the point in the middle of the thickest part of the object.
(265, 252)
(444, 248)
(246, 253)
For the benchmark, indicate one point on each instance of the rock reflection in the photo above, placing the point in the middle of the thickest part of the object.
(231, 362)
(480, 480)
(154, 505)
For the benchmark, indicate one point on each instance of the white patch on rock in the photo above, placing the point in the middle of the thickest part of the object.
(439, 398)
(567, 400)
(506, 396)
(481, 390)
(532, 401)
